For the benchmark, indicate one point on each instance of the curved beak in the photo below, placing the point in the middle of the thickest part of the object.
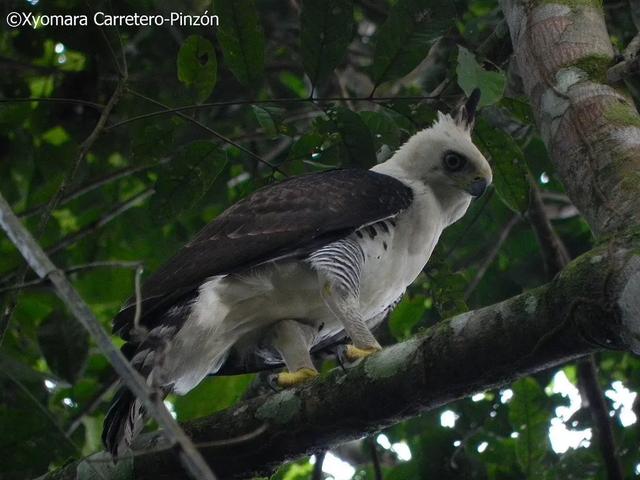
(477, 187)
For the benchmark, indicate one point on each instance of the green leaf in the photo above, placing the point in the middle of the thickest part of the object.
(305, 149)
(356, 137)
(295, 83)
(406, 316)
(529, 416)
(306, 146)
(325, 33)
(64, 344)
(197, 66)
(212, 395)
(404, 39)
(508, 165)
(186, 179)
(241, 39)
(25, 428)
(447, 289)
(471, 75)
(153, 142)
(383, 128)
(269, 118)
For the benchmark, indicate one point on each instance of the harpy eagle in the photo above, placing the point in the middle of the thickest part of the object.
(296, 266)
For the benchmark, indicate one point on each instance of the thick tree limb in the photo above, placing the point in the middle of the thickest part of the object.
(592, 304)
(42, 265)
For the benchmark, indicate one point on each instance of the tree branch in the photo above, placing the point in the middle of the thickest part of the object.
(219, 136)
(73, 101)
(74, 269)
(92, 185)
(317, 468)
(590, 388)
(7, 312)
(42, 265)
(75, 237)
(491, 256)
(375, 460)
(554, 253)
(115, 212)
(169, 110)
(591, 305)
(556, 257)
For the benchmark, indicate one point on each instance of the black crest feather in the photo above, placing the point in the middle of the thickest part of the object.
(466, 116)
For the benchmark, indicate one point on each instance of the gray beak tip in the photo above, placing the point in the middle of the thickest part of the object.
(477, 187)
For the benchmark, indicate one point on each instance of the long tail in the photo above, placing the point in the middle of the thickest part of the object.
(123, 422)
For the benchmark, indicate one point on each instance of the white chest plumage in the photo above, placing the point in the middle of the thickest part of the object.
(395, 258)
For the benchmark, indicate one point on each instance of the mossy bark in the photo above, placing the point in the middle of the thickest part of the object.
(591, 129)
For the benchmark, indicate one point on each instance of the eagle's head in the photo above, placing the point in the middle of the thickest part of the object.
(444, 157)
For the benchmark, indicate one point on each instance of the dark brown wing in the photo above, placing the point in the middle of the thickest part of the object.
(290, 218)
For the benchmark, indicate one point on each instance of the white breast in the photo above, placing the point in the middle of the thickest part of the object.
(388, 272)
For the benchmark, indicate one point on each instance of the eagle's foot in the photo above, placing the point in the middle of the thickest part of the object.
(291, 379)
(352, 353)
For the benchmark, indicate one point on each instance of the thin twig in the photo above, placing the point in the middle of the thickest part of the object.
(92, 405)
(554, 254)
(45, 411)
(84, 149)
(42, 265)
(88, 230)
(226, 443)
(211, 131)
(202, 106)
(12, 302)
(138, 290)
(75, 101)
(375, 460)
(470, 224)
(74, 269)
(101, 222)
(93, 185)
(493, 253)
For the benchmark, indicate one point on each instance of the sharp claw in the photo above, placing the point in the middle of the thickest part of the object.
(272, 381)
(341, 357)
(291, 379)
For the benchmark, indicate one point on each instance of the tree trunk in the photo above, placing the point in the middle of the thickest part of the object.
(591, 130)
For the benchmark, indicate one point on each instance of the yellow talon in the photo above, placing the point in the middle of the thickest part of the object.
(354, 353)
(291, 379)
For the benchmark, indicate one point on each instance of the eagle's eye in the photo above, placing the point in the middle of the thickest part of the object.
(454, 162)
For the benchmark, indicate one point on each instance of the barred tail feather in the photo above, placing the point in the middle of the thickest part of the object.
(123, 422)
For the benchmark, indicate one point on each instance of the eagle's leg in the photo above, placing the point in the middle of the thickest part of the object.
(293, 340)
(345, 306)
